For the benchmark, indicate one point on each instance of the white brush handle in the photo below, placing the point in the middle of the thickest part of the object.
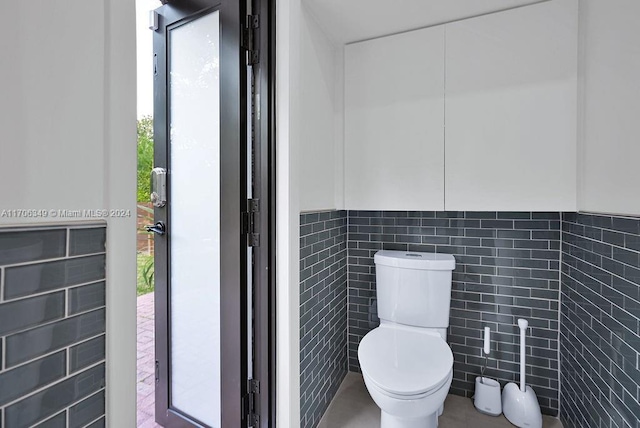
(487, 340)
(523, 324)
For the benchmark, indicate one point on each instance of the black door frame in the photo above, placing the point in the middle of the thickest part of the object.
(238, 400)
(264, 296)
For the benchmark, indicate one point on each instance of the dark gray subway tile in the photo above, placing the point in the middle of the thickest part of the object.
(32, 343)
(631, 258)
(465, 242)
(323, 303)
(100, 423)
(632, 242)
(514, 234)
(517, 253)
(381, 221)
(479, 292)
(50, 401)
(480, 233)
(496, 224)
(408, 222)
(87, 241)
(551, 235)
(450, 214)
(498, 243)
(20, 314)
(481, 214)
(531, 244)
(546, 255)
(58, 421)
(514, 215)
(86, 353)
(87, 410)
(27, 378)
(545, 216)
(598, 334)
(492, 252)
(35, 386)
(24, 280)
(626, 225)
(309, 218)
(436, 240)
(531, 224)
(28, 246)
(435, 222)
(86, 297)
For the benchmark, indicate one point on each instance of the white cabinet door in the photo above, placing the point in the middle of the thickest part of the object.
(511, 105)
(394, 118)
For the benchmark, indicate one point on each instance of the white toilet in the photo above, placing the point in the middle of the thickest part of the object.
(406, 363)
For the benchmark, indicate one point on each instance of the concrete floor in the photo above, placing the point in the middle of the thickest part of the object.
(352, 407)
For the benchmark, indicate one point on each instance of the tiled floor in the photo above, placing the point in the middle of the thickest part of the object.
(352, 407)
(146, 358)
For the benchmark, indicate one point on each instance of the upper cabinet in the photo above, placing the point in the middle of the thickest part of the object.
(478, 114)
(511, 100)
(394, 122)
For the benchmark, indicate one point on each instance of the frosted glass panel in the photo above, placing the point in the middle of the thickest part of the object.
(194, 231)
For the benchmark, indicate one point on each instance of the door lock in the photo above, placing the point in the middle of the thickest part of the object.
(159, 187)
(158, 228)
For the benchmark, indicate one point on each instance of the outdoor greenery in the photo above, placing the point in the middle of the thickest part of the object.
(145, 157)
(145, 164)
(145, 274)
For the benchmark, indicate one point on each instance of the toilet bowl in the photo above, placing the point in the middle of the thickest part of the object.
(408, 372)
(406, 363)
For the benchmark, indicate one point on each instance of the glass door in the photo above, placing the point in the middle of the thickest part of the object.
(200, 184)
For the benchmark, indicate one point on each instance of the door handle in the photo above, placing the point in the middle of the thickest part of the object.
(158, 228)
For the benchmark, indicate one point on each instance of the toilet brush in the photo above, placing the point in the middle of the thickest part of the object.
(487, 396)
(520, 405)
(486, 349)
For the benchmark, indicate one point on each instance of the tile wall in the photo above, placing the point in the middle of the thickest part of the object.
(52, 326)
(600, 321)
(507, 267)
(323, 311)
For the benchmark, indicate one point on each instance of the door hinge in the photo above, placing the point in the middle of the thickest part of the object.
(253, 388)
(157, 371)
(249, 222)
(248, 39)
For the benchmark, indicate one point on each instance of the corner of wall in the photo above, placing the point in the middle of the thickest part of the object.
(580, 122)
(287, 214)
(120, 193)
(339, 139)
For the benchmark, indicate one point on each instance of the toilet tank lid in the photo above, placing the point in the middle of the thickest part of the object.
(415, 260)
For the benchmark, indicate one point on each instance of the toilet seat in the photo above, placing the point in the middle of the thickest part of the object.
(405, 363)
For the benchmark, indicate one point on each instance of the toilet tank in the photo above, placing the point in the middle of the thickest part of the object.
(414, 288)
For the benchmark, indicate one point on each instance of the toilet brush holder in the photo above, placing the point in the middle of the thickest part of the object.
(487, 398)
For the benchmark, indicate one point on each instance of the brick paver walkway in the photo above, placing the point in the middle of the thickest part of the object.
(146, 359)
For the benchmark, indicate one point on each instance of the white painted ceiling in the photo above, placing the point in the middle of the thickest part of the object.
(347, 21)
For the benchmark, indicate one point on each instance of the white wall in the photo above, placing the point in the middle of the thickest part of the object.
(609, 128)
(287, 213)
(309, 145)
(67, 113)
(320, 110)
